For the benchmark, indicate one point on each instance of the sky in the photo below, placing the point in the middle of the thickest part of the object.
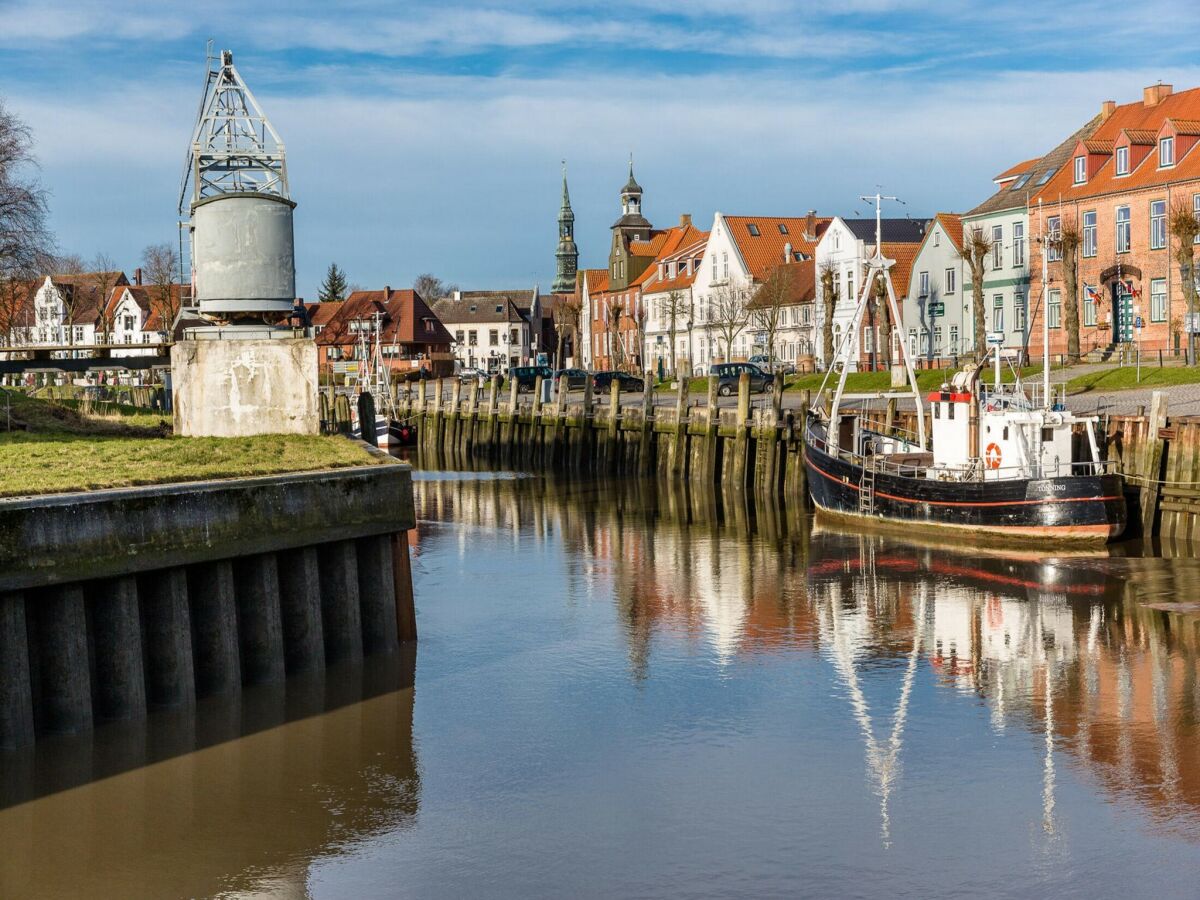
(428, 136)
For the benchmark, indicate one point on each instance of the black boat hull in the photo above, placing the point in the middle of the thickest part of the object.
(1084, 508)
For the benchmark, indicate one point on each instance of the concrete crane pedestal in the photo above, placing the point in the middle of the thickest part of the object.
(234, 386)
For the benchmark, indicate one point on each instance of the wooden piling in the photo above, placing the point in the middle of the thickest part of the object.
(1153, 460)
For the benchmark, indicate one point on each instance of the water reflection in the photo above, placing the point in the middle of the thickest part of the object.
(1086, 652)
(240, 798)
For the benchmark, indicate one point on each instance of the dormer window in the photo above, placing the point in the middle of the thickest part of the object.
(754, 232)
(1080, 169)
(782, 228)
(1166, 152)
(499, 308)
(1122, 160)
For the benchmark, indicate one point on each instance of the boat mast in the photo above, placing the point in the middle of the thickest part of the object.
(1045, 311)
(878, 266)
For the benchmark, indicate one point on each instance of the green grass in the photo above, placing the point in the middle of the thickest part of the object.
(1123, 378)
(54, 448)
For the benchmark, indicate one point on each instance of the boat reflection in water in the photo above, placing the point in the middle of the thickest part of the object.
(1083, 650)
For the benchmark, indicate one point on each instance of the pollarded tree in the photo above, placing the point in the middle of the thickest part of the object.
(1184, 229)
(729, 314)
(770, 300)
(829, 301)
(1068, 239)
(678, 306)
(974, 251)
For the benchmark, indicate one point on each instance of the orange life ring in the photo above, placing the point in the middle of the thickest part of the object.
(992, 456)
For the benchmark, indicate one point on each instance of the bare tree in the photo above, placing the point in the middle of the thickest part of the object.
(16, 299)
(567, 315)
(829, 301)
(1184, 229)
(102, 279)
(975, 250)
(639, 316)
(677, 305)
(1068, 238)
(770, 301)
(431, 288)
(25, 243)
(160, 262)
(729, 314)
(884, 315)
(616, 351)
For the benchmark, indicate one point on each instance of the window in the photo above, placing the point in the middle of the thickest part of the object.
(1022, 181)
(997, 246)
(753, 229)
(951, 281)
(1122, 160)
(714, 260)
(1054, 309)
(924, 284)
(1158, 224)
(499, 308)
(725, 265)
(1089, 233)
(782, 228)
(1018, 244)
(868, 340)
(1054, 248)
(459, 336)
(472, 338)
(1166, 152)
(953, 338)
(129, 326)
(1122, 229)
(1158, 300)
(1089, 307)
(912, 342)
(1080, 169)
(937, 340)
(1019, 312)
(494, 338)
(806, 315)
(1046, 176)
(333, 353)
(514, 336)
(998, 312)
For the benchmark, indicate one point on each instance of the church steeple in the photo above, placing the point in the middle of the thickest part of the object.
(567, 255)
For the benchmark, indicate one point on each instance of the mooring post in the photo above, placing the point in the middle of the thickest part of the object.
(492, 413)
(646, 445)
(434, 431)
(216, 659)
(680, 444)
(741, 440)
(889, 421)
(711, 437)
(455, 425)
(1152, 460)
(406, 613)
(16, 696)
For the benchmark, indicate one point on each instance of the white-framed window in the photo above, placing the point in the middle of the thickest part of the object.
(912, 342)
(1158, 300)
(997, 246)
(1080, 169)
(1089, 308)
(1158, 224)
(1054, 309)
(1122, 160)
(806, 314)
(1089, 233)
(1122, 229)
(714, 260)
(333, 353)
(1018, 244)
(868, 339)
(1019, 312)
(1054, 235)
(78, 333)
(924, 281)
(724, 265)
(998, 312)
(1166, 152)
(951, 281)
(953, 338)
(937, 340)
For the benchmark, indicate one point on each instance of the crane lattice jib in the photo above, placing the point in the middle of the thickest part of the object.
(234, 147)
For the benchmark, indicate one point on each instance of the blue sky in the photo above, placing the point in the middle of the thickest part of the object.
(427, 136)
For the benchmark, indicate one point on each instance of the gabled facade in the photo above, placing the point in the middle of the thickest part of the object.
(492, 330)
(143, 314)
(936, 314)
(1122, 182)
(412, 338)
(66, 310)
(667, 297)
(794, 333)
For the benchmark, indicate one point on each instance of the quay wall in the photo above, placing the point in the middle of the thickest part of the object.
(117, 602)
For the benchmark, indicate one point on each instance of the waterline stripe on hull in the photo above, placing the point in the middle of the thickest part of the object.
(1099, 533)
(1045, 500)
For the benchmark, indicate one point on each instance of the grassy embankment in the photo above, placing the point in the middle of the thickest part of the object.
(53, 447)
(1124, 378)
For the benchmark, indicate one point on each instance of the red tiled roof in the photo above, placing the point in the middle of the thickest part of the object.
(952, 224)
(1019, 169)
(320, 313)
(401, 311)
(1185, 126)
(597, 279)
(82, 293)
(1141, 135)
(764, 251)
(694, 250)
(675, 239)
(16, 305)
(1097, 146)
(148, 298)
(801, 282)
(1129, 118)
(904, 255)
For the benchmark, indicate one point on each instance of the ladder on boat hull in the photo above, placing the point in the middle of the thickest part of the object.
(866, 489)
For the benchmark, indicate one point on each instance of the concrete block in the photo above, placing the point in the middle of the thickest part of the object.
(233, 388)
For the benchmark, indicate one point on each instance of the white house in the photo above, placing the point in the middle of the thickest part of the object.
(142, 314)
(740, 253)
(491, 331)
(936, 314)
(666, 289)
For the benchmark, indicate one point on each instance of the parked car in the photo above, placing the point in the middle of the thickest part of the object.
(572, 379)
(728, 375)
(526, 376)
(761, 360)
(601, 382)
(468, 375)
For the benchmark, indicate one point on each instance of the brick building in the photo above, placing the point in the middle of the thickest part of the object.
(411, 336)
(1118, 192)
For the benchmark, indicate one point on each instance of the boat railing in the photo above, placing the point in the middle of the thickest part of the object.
(973, 470)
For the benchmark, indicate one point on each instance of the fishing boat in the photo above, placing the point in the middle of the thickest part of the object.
(1004, 460)
(373, 378)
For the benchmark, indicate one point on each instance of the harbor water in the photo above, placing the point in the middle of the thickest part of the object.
(630, 690)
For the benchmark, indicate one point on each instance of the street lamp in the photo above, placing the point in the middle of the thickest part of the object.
(691, 360)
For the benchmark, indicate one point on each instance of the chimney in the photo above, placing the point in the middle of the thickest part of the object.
(685, 220)
(137, 275)
(1156, 94)
(387, 293)
(1107, 108)
(810, 225)
(787, 252)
